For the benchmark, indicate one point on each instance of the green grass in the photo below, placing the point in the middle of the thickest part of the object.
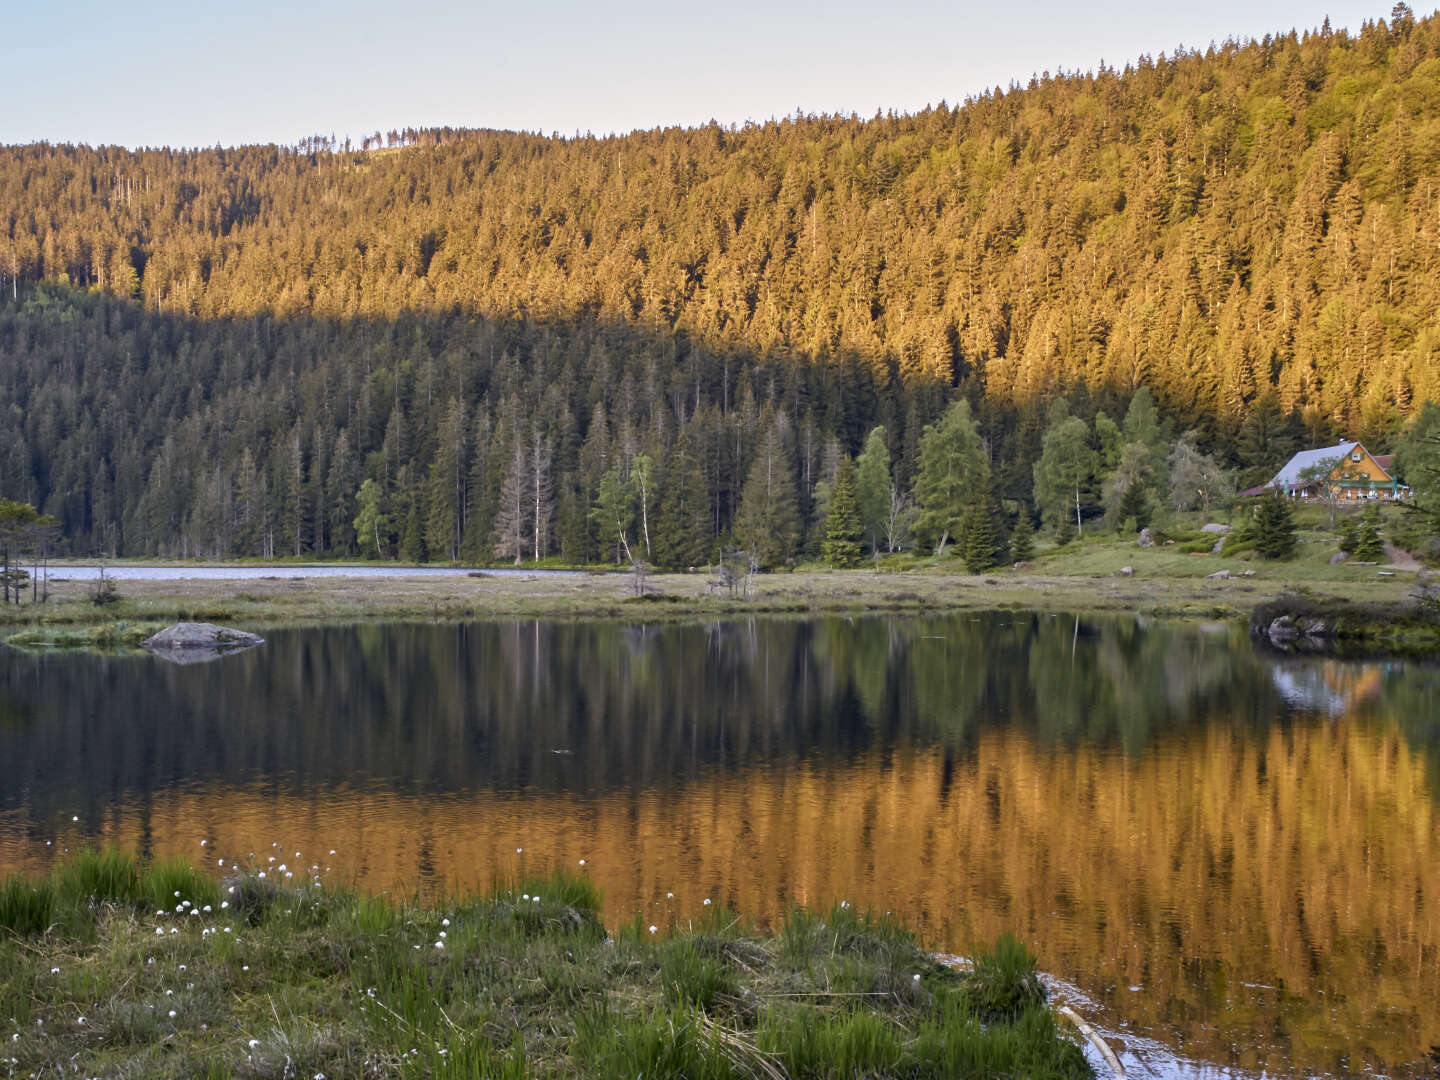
(106, 636)
(26, 907)
(98, 978)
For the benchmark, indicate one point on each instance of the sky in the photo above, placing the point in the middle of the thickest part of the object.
(198, 72)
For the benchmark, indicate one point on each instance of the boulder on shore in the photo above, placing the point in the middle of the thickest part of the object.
(1146, 538)
(200, 635)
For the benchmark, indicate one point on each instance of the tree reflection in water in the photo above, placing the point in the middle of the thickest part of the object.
(1250, 842)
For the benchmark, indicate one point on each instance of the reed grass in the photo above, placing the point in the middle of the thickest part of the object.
(298, 977)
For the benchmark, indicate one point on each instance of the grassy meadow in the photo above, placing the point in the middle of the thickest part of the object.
(1098, 572)
(109, 967)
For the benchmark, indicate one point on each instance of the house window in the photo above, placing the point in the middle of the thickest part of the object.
(1357, 456)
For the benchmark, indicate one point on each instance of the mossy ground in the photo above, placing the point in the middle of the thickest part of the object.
(109, 968)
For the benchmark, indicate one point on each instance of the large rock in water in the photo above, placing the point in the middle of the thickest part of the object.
(201, 635)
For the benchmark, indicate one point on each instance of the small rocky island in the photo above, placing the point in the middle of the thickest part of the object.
(192, 642)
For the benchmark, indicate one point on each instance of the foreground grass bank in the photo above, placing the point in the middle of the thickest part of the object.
(109, 968)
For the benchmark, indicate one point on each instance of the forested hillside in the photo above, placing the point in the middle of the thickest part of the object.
(483, 344)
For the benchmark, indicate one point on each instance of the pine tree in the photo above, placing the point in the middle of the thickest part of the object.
(1022, 539)
(1274, 529)
(842, 520)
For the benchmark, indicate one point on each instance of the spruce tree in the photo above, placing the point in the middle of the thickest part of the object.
(1134, 511)
(682, 533)
(1274, 528)
(841, 546)
(1364, 543)
(1022, 539)
(977, 537)
(768, 521)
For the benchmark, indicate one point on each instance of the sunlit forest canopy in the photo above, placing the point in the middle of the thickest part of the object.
(213, 350)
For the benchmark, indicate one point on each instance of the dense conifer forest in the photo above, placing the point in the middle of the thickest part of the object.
(480, 345)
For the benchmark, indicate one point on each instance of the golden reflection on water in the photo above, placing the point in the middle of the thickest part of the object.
(1261, 900)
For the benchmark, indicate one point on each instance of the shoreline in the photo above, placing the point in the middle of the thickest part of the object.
(117, 966)
(266, 601)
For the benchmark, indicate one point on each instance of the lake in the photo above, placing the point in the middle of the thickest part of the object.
(1231, 861)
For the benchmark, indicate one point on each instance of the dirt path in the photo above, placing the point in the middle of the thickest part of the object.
(1400, 559)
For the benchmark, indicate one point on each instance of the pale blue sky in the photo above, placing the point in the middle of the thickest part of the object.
(162, 72)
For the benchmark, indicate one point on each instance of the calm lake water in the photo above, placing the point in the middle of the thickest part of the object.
(1232, 861)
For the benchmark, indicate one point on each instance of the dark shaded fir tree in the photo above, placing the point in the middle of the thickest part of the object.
(1273, 531)
(841, 546)
(978, 538)
(1134, 510)
(1361, 538)
(682, 522)
(1022, 537)
(768, 521)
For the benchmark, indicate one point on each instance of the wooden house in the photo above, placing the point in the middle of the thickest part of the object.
(1354, 474)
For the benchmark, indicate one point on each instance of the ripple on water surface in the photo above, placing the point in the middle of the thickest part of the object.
(1221, 864)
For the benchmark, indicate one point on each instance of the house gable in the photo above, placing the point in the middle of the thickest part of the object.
(1358, 467)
